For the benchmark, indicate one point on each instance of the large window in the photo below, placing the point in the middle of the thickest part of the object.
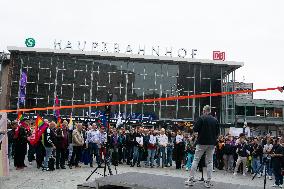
(269, 112)
(278, 112)
(250, 111)
(260, 111)
(240, 110)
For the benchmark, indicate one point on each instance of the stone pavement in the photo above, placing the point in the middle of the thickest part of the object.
(33, 178)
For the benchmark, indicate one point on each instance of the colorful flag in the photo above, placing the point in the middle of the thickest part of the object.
(22, 88)
(20, 116)
(40, 127)
(59, 122)
(39, 123)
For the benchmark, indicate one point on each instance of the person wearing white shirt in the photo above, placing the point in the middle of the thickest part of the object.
(102, 143)
(92, 143)
(162, 144)
(151, 147)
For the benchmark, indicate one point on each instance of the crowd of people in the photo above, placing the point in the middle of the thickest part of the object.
(139, 146)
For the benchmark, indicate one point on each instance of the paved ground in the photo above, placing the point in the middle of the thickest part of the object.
(151, 181)
(32, 178)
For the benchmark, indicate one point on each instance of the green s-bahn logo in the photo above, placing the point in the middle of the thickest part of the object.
(30, 42)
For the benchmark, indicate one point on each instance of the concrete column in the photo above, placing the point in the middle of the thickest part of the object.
(6, 77)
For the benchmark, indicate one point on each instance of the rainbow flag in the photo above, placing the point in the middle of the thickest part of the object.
(20, 116)
(59, 122)
(39, 123)
(40, 127)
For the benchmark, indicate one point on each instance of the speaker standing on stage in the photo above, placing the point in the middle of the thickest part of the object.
(207, 127)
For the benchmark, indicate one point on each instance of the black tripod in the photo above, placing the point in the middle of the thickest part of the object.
(264, 165)
(107, 163)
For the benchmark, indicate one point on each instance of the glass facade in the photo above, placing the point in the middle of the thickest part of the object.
(257, 111)
(81, 79)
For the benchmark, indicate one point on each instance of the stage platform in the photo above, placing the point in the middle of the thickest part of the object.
(133, 180)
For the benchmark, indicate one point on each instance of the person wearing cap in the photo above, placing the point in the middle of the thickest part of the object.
(243, 151)
(207, 128)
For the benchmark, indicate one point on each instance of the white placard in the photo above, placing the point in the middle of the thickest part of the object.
(237, 131)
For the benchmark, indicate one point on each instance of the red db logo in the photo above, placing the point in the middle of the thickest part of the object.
(218, 55)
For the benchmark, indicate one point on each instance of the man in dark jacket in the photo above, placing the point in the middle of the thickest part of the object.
(121, 146)
(129, 146)
(20, 143)
(207, 127)
(61, 145)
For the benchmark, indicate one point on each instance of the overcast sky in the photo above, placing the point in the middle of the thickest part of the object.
(251, 31)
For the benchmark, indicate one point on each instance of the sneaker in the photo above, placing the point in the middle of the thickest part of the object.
(189, 182)
(207, 184)
(280, 186)
(244, 174)
(45, 169)
(258, 175)
(270, 177)
(186, 169)
(30, 163)
(235, 174)
(275, 186)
